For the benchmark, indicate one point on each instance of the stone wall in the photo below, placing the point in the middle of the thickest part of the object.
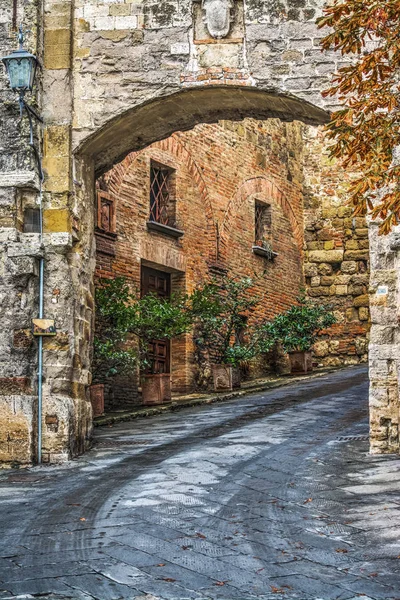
(384, 349)
(336, 257)
(18, 261)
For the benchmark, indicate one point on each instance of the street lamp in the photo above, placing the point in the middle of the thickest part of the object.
(21, 70)
(21, 67)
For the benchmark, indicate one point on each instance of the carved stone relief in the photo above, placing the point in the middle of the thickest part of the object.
(218, 19)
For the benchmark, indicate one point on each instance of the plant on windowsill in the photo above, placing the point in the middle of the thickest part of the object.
(264, 248)
(220, 311)
(296, 330)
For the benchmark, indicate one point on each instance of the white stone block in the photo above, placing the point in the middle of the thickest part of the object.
(130, 22)
(180, 48)
(104, 23)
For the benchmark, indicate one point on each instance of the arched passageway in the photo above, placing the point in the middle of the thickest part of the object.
(159, 118)
(165, 130)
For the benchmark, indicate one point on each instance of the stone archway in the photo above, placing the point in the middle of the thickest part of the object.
(159, 118)
(73, 255)
(136, 129)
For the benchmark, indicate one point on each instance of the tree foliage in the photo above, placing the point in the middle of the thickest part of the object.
(220, 312)
(367, 127)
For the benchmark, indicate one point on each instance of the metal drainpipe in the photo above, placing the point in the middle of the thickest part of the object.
(31, 113)
(40, 346)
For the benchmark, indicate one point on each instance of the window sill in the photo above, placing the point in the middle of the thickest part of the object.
(165, 229)
(106, 234)
(259, 251)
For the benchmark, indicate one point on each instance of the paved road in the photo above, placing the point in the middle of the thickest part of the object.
(264, 497)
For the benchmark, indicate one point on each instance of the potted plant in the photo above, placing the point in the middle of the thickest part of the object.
(126, 327)
(153, 318)
(296, 330)
(220, 311)
(112, 353)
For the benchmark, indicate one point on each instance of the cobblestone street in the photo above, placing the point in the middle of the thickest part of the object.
(273, 495)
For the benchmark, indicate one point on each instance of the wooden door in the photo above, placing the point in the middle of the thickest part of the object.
(159, 284)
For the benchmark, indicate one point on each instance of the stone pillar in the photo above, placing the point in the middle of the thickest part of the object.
(384, 352)
(66, 409)
(19, 255)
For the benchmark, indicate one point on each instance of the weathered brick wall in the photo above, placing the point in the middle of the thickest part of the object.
(221, 170)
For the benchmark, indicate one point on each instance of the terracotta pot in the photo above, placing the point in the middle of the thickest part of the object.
(156, 389)
(97, 399)
(300, 362)
(222, 376)
(236, 377)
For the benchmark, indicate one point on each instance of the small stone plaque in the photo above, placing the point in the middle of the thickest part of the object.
(44, 327)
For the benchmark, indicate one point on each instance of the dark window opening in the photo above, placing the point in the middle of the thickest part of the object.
(263, 224)
(162, 201)
(32, 220)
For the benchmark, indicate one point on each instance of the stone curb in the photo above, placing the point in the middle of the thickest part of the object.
(211, 399)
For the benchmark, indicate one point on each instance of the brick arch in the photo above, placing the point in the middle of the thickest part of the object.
(265, 187)
(174, 146)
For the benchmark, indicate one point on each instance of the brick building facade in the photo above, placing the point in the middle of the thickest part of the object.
(219, 177)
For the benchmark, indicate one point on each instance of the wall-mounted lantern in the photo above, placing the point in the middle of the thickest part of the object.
(21, 67)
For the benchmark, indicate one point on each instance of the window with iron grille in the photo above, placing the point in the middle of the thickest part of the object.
(162, 201)
(263, 224)
(32, 220)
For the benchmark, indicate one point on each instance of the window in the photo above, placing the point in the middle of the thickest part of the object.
(162, 201)
(106, 220)
(263, 224)
(32, 220)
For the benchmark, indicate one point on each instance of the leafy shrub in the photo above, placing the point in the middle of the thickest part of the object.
(297, 328)
(122, 317)
(220, 311)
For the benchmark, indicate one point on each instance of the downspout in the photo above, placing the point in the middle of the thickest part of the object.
(40, 346)
(31, 113)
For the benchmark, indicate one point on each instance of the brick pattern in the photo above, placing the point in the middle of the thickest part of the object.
(220, 172)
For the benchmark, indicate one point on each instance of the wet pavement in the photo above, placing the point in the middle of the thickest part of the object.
(272, 496)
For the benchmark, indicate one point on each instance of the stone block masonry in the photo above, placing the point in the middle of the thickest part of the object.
(336, 263)
(119, 76)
